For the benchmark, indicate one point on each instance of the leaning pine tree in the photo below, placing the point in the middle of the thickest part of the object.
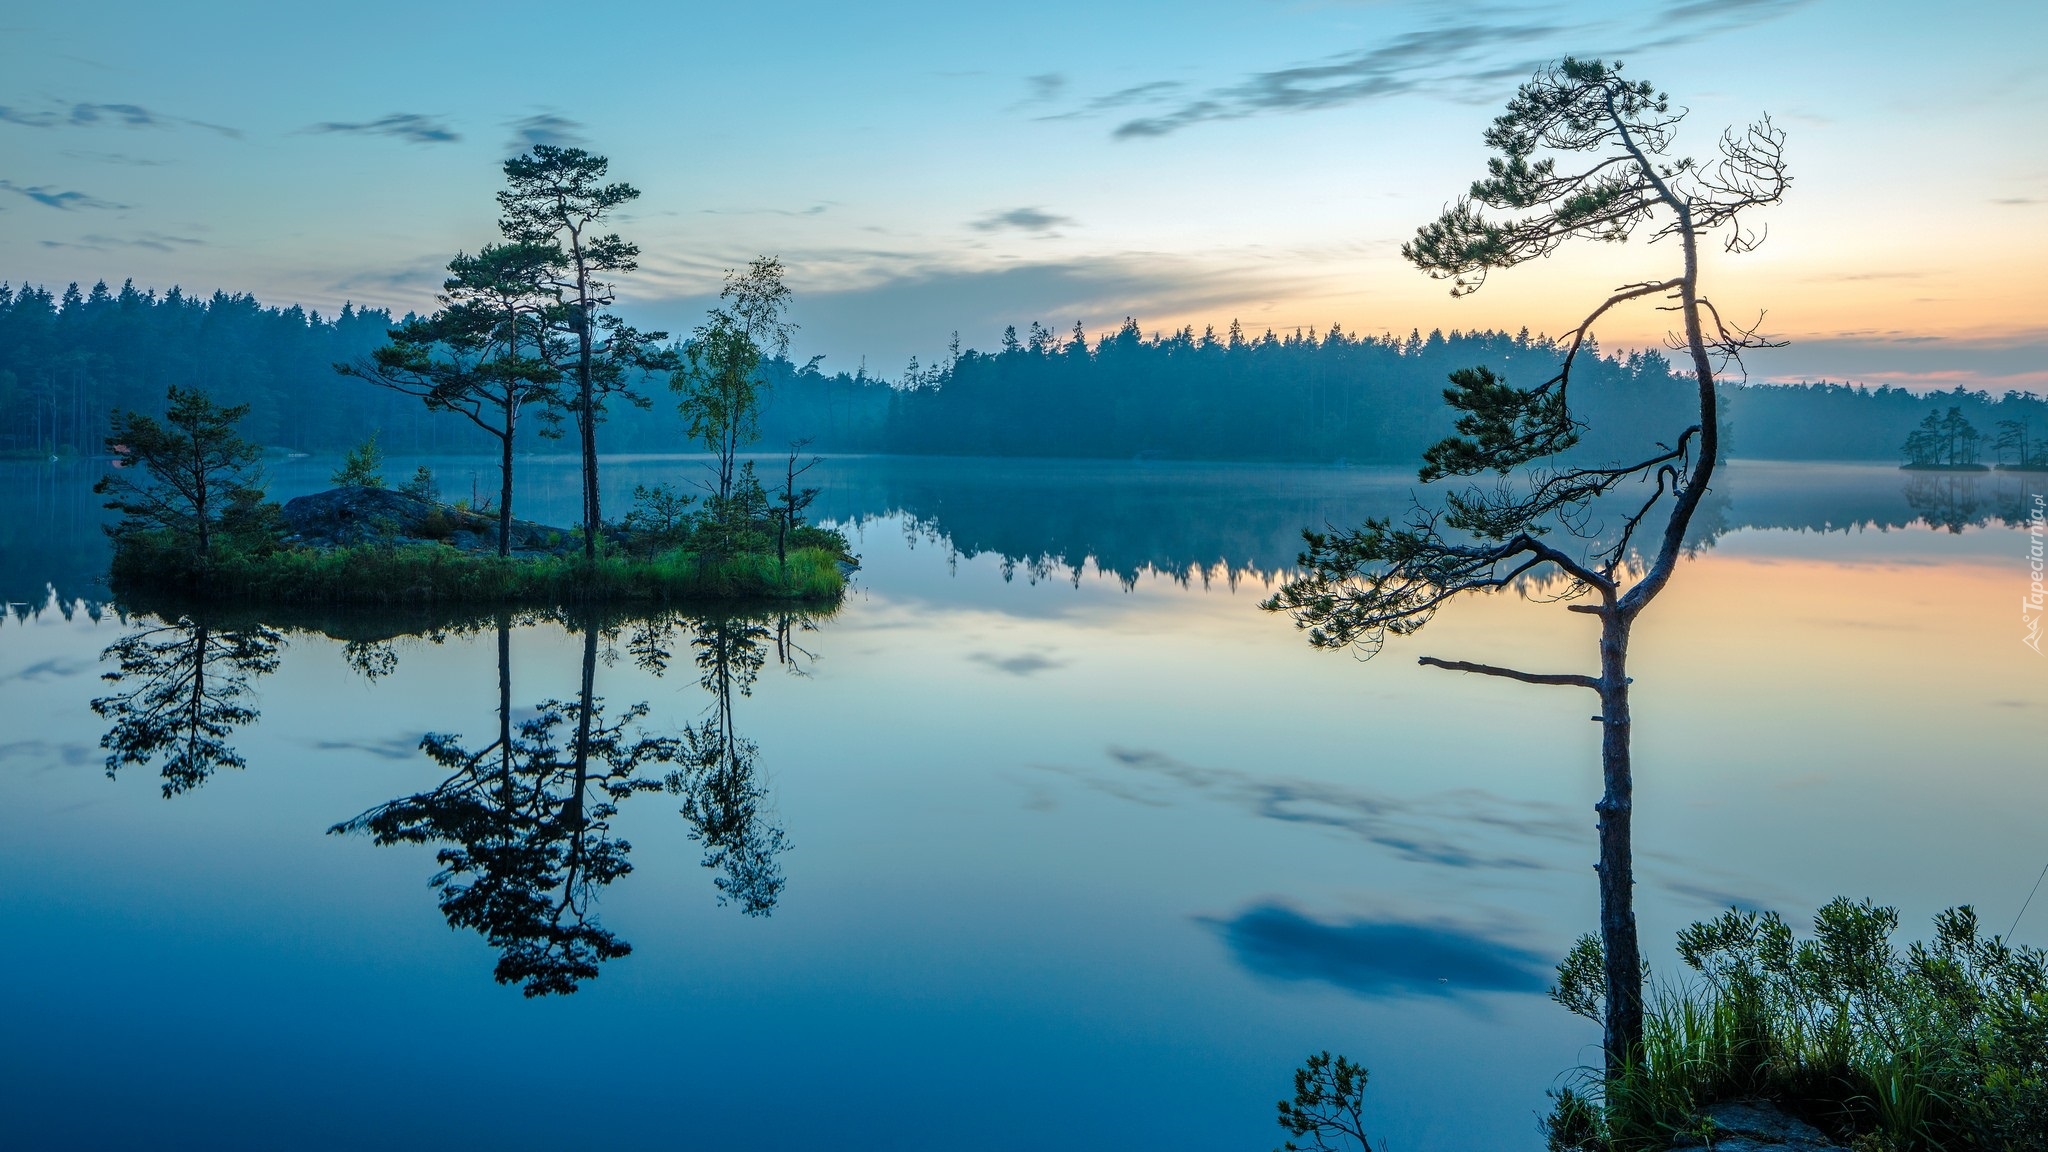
(1358, 586)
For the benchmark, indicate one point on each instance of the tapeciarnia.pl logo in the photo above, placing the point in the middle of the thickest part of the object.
(2037, 565)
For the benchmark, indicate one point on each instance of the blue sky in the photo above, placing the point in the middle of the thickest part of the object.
(924, 168)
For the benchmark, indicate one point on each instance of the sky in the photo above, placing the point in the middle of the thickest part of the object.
(926, 168)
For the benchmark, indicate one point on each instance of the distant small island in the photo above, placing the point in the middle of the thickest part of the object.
(1949, 443)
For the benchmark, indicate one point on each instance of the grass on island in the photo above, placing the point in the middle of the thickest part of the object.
(435, 574)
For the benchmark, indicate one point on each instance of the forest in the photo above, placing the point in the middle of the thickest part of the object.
(69, 360)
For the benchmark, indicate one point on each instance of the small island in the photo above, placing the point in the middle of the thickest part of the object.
(526, 327)
(1949, 443)
(197, 526)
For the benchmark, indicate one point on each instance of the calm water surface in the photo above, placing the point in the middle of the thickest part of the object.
(1047, 838)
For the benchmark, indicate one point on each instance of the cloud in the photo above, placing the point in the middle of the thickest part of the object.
(888, 305)
(1700, 18)
(411, 127)
(1022, 664)
(1439, 829)
(62, 200)
(1460, 58)
(1044, 86)
(114, 158)
(153, 241)
(1023, 219)
(101, 242)
(1909, 360)
(1411, 61)
(1379, 958)
(88, 115)
(546, 128)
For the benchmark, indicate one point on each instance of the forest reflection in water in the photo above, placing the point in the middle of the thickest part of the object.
(521, 824)
(1051, 520)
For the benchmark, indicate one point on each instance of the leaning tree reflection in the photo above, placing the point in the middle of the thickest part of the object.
(187, 687)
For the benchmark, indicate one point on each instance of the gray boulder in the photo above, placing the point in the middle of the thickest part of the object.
(1759, 1126)
(342, 517)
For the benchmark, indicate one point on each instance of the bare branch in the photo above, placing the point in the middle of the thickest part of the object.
(1566, 679)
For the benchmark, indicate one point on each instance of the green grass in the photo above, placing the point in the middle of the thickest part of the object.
(1942, 1046)
(434, 574)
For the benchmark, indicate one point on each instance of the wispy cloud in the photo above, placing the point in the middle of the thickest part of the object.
(64, 200)
(1455, 57)
(153, 241)
(411, 127)
(886, 304)
(1909, 360)
(1685, 21)
(546, 128)
(1379, 957)
(89, 115)
(114, 158)
(1021, 219)
(1044, 86)
(1407, 63)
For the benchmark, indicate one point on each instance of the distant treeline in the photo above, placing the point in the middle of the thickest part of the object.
(68, 361)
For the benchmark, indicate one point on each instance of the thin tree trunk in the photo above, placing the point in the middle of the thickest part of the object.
(505, 684)
(1624, 979)
(505, 487)
(586, 701)
(588, 422)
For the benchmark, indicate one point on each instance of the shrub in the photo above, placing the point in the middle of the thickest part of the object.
(436, 525)
(422, 486)
(362, 467)
(1941, 1047)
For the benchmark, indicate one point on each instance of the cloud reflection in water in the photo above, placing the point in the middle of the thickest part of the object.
(1378, 958)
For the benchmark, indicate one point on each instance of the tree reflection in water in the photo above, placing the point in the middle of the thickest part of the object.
(523, 824)
(187, 685)
(722, 798)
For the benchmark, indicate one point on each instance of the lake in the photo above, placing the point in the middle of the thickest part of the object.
(1046, 838)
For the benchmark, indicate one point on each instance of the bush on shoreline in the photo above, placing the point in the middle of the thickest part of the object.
(1941, 1046)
